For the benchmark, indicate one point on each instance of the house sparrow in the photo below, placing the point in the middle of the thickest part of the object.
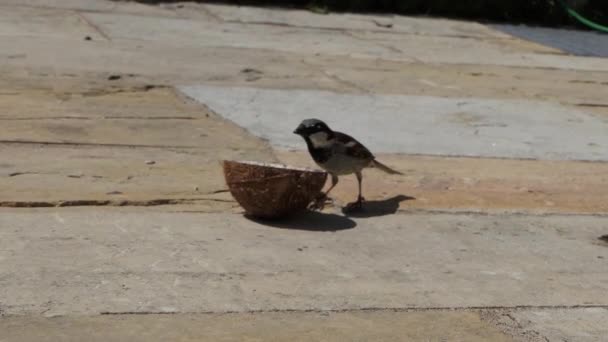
(338, 154)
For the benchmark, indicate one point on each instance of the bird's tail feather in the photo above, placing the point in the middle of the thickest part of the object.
(385, 168)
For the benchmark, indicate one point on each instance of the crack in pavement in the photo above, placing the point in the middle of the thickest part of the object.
(74, 143)
(346, 83)
(367, 30)
(108, 203)
(92, 25)
(489, 212)
(15, 174)
(110, 117)
(369, 309)
(118, 90)
(593, 105)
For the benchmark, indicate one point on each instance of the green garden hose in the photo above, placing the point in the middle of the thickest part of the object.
(582, 19)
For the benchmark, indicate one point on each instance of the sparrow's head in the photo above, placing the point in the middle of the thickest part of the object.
(309, 127)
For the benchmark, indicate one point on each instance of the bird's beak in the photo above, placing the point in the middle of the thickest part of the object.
(299, 130)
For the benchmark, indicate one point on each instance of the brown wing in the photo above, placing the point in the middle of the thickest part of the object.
(352, 146)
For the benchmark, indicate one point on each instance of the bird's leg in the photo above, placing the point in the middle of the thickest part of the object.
(319, 202)
(359, 203)
(334, 182)
(360, 198)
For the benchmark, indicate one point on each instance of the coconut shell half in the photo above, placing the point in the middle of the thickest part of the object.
(272, 190)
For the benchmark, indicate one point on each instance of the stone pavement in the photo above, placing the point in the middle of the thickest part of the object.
(115, 223)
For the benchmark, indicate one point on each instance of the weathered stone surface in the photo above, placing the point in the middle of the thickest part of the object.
(48, 175)
(90, 72)
(584, 324)
(477, 184)
(59, 149)
(96, 260)
(416, 124)
(354, 22)
(49, 23)
(369, 45)
(279, 326)
(130, 7)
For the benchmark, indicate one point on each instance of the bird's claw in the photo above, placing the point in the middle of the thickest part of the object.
(355, 206)
(319, 202)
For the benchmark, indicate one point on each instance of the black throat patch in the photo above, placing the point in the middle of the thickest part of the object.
(319, 154)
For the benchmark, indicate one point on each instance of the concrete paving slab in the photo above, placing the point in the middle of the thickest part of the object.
(135, 118)
(152, 64)
(369, 45)
(44, 22)
(509, 47)
(179, 61)
(130, 7)
(126, 132)
(496, 82)
(474, 184)
(93, 5)
(584, 325)
(279, 326)
(40, 63)
(82, 147)
(92, 261)
(115, 174)
(48, 175)
(97, 99)
(209, 34)
(383, 23)
(443, 50)
(415, 124)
